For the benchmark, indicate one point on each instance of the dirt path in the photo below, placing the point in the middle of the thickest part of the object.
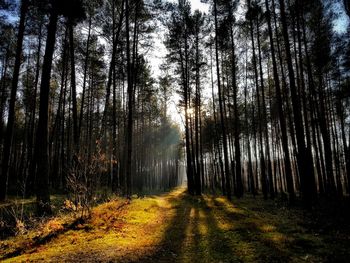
(175, 227)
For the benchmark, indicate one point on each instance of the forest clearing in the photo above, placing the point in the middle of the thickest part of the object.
(176, 227)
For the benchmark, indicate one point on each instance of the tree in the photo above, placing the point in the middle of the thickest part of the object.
(11, 114)
(74, 13)
(41, 143)
(221, 108)
(178, 43)
(307, 181)
(287, 167)
(130, 92)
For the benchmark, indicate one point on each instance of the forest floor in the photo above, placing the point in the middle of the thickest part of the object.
(175, 227)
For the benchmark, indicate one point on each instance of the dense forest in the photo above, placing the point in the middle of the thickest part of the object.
(260, 89)
(79, 102)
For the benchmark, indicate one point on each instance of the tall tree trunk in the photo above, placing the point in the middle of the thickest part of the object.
(130, 91)
(41, 145)
(73, 87)
(221, 109)
(11, 114)
(31, 158)
(309, 158)
(238, 166)
(3, 98)
(314, 112)
(264, 119)
(115, 41)
(287, 166)
(261, 150)
(216, 143)
(197, 116)
(299, 127)
(86, 64)
(250, 173)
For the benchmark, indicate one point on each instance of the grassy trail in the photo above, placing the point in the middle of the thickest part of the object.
(175, 227)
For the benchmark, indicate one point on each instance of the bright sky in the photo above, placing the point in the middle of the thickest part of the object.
(156, 58)
(198, 5)
(342, 22)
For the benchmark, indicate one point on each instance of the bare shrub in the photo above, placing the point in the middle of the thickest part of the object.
(83, 181)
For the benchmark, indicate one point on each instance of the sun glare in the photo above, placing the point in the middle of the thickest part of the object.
(175, 114)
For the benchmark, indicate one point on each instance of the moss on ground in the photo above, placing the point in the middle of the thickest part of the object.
(175, 227)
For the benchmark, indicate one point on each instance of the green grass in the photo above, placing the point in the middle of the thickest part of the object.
(175, 227)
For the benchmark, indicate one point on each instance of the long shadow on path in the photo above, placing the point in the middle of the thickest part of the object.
(211, 229)
(193, 235)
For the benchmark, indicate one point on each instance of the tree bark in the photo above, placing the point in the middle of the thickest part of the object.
(287, 167)
(11, 114)
(221, 109)
(41, 145)
(299, 128)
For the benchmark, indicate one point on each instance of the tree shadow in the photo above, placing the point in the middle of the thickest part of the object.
(193, 235)
(175, 233)
(205, 230)
(270, 244)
